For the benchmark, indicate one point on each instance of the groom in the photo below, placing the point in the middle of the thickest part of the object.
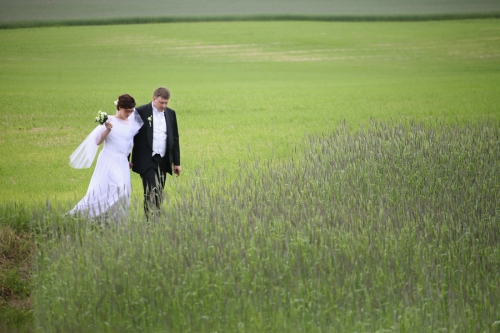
(156, 147)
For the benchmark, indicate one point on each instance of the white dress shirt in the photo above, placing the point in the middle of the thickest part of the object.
(159, 133)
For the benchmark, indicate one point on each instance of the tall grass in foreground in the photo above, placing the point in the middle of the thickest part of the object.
(392, 228)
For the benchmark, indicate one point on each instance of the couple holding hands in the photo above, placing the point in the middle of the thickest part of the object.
(144, 139)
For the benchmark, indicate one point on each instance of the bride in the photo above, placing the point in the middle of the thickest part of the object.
(109, 189)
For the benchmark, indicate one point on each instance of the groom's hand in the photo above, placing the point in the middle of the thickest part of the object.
(177, 170)
(130, 165)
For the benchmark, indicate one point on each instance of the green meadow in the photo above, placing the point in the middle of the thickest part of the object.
(337, 176)
(241, 89)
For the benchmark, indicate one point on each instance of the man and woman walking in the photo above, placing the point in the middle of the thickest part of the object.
(145, 139)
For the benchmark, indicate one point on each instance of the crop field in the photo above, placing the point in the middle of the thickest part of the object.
(337, 176)
(392, 228)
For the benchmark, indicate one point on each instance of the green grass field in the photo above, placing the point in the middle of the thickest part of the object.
(404, 239)
(241, 89)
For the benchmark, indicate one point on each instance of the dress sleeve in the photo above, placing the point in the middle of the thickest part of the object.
(84, 155)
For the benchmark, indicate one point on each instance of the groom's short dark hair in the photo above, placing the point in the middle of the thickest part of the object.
(162, 92)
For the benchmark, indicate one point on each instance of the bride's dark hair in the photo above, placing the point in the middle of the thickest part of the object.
(125, 102)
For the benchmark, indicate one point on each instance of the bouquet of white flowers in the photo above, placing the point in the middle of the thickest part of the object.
(101, 118)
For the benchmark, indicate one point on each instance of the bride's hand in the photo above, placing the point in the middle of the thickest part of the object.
(108, 125)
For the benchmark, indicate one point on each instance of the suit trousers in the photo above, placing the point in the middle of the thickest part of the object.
(153, 182)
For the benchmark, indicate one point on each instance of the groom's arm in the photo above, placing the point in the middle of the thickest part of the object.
(176, 153)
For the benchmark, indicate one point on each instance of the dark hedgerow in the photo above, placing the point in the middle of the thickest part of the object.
(240, 18)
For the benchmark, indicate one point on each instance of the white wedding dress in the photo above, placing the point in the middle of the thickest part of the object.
(109, 189)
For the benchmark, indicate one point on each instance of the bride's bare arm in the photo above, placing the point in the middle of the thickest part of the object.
(104, 134)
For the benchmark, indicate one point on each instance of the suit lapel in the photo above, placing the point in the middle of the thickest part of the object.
(169, 128)
(150, 127)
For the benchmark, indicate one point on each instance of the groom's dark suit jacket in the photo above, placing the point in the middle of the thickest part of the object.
(143, 141)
